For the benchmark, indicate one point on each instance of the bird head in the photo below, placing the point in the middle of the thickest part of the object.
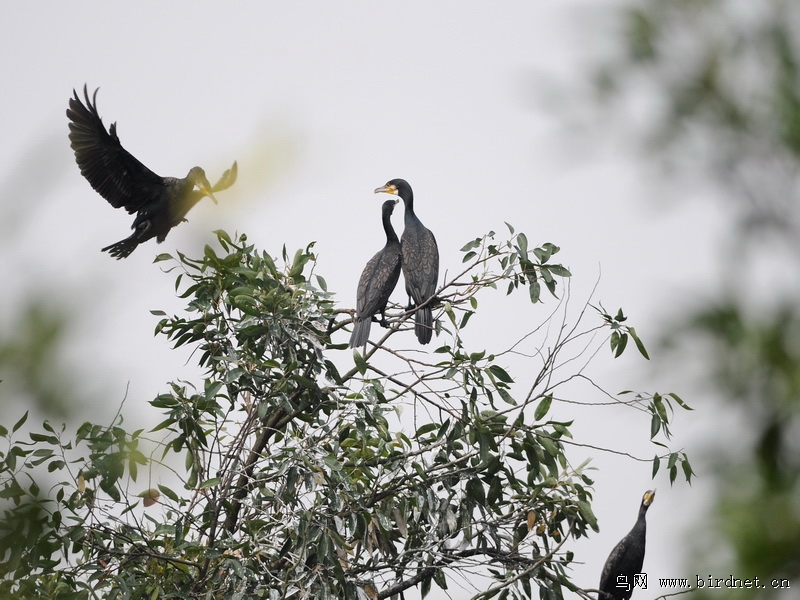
(648, 497)
(389, 188)
(398, 187)
(198, 177)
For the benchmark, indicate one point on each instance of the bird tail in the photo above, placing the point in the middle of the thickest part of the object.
(423, 324)
(360, 335)
(123, 248)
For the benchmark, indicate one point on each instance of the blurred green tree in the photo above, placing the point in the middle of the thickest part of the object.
(716, 88)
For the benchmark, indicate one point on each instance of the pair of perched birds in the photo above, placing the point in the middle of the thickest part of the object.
(161, 203)
(416, 254)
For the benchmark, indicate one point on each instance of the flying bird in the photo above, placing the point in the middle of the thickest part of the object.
(627, 558)
(377, 281)
(420, 261)
(160, 203)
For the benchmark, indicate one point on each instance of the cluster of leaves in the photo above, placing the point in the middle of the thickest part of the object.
(288, 475)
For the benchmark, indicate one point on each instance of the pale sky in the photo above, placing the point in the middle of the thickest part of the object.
(320, 104)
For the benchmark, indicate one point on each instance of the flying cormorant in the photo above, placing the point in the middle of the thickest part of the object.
(161, 203)
(627, 558)
(377, 281)
(420, 260)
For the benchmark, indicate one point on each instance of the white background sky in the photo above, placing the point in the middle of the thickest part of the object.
(320, 104)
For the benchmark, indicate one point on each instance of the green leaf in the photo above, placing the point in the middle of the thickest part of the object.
(471, 245)
(679, 401)
(425, 588)
(687, 469)
(549, 445)
(673, 458)
(543, 407)
(534, 290)
(475, 492)
(20, 423)
(507, 398)
(427, 428)
(622, 341)
(560, 270)
(638, 342)
(500, 374)
(522, 244)
(439, 578)
(332, 462)
(40, 437)
(656, 465)
(361, 364)
(658, 403)
(495, 491)
(586, 511)
(655, 426)
(169, 493)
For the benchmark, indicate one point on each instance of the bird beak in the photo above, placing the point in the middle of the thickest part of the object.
(389, 189)
(205, 187)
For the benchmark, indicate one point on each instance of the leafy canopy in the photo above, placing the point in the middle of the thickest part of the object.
(292, 471)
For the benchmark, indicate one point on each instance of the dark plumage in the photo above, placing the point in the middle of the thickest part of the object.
(627, 558)
(420, 261)
(160, 203)
(377, 281)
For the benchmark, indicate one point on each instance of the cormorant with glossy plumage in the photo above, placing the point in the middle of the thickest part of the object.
(160, 203)
(420, 260)
(627, 558)
(377, 282)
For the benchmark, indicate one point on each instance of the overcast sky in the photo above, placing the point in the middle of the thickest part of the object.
(319, 106)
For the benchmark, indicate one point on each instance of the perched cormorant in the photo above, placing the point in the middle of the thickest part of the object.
(627, 558)
(377, 281)
(420, 260)
(161, 203)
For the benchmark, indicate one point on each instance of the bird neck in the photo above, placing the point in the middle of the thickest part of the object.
(410, 217)
(641, 520)
(408, 199)
(391, 236)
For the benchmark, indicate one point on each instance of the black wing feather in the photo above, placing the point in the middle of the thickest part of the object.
(112, 171)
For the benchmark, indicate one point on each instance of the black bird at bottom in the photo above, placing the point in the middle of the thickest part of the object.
(377, 281)
(420, 260)
(160, 203)
(627, 558)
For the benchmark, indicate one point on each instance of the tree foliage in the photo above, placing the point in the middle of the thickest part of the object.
(295, 471)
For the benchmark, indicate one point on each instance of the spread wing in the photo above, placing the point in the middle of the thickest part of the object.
(227, 180)
(111, 170)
